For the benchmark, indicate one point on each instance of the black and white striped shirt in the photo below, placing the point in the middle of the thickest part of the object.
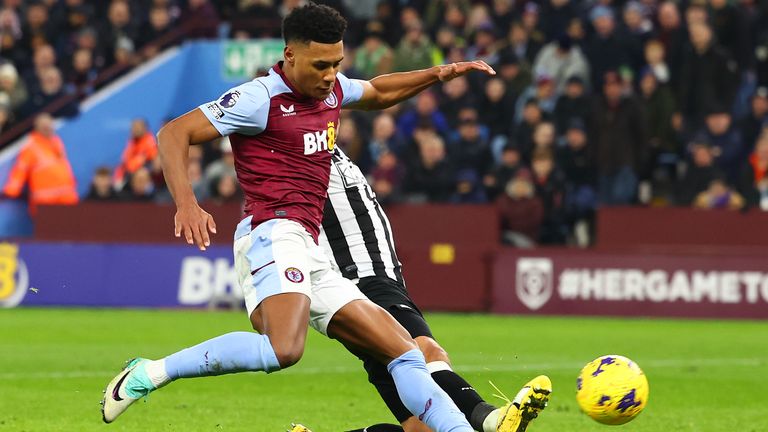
(356, 233)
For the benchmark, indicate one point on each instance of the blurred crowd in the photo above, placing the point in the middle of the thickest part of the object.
(596, 102)
(53, 48)
(139, 176)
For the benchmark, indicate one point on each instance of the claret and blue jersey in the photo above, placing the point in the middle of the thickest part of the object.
(282, 142)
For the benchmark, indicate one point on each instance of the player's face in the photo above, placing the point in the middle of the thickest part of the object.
(315, 66)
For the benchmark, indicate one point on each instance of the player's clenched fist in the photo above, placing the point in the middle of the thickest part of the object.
(194, 223)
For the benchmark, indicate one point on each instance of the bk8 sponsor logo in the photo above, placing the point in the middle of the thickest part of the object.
(14, 278)
(203, 280)
(321, 140)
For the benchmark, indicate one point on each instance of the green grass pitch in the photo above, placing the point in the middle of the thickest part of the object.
(704, 375)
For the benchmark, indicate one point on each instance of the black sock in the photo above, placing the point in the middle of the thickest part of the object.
(466, 398)
(380, 428)
(479, 414)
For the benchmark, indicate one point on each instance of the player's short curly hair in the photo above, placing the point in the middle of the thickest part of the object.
(314, 22)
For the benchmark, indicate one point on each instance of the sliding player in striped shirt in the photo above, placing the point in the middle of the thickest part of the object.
(357, 236)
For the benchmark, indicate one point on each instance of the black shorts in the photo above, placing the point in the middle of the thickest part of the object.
(392, 296)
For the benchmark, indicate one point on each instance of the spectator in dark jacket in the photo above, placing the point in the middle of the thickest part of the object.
(521, 213)
(761, 53)
(51, 89)
(469, 188)
(159, 24)
(432, 177)
(510, 166)
(140, 187)
(71, 17)
(549, 182)
(635, 32)
(573, 103)
(726, 24)
(498, 107)
(617, 129)
(708, 78)
(82, 73)
(523, 136)
(575, 160)
(725, 139)
(119, 30)
(455, 96)
(754, 176)
(664, 149)
(38, 28)
(556, 15)
(201, 19)
(752, 126)
(516, 73)
(387, 178)
(471, 150)
(659, 107)
(606, 50)
(43, 58)
(101, 186)
(671, 34)
(700, 172)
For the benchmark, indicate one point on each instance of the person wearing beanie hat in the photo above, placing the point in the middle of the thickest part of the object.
(606, 49)
(573, 102)
(727, 141)
(515, 72)
(577, 163)
(703, 178)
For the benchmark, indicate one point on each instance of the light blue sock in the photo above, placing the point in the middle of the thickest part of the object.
(229, 353)
(423, 397)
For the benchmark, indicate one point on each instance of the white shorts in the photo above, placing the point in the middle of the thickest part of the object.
(280, 256)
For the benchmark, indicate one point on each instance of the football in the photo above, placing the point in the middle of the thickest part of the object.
(612, 389)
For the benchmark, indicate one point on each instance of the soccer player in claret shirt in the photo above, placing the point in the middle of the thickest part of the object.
(358, 238)
(282, 129)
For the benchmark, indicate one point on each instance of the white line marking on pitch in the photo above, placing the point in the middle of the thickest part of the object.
(647, 364)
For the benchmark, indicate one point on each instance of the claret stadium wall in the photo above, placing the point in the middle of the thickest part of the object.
(98, 255)
(647, 262)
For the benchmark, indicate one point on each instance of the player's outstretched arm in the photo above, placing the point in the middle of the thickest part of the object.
(173, 142)
(390, 89)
